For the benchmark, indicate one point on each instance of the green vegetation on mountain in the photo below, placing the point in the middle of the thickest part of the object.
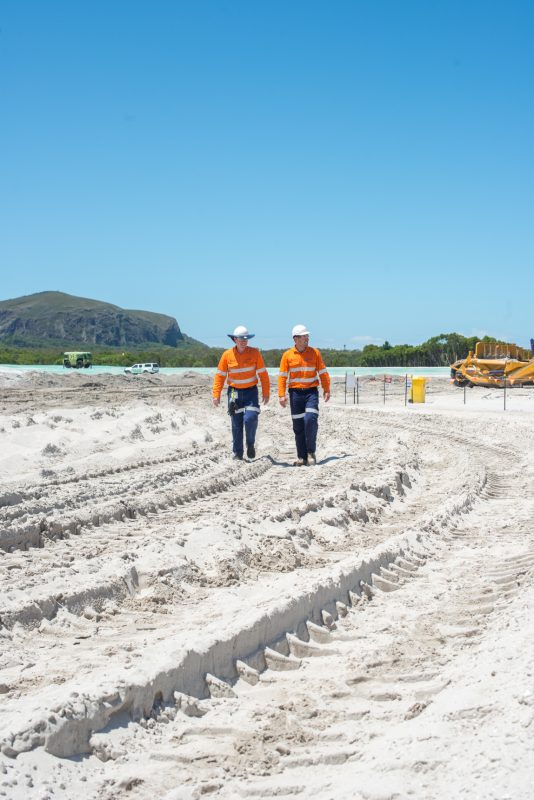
(55, 319)
(38, 328)
(439, 351)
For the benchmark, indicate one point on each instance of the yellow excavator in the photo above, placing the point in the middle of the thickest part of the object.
(495, 364)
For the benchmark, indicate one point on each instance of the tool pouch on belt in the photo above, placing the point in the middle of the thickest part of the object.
(232, 405)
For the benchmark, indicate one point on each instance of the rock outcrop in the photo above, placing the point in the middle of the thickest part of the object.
(55, 318)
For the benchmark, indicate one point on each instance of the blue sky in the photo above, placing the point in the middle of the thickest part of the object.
(366, 168)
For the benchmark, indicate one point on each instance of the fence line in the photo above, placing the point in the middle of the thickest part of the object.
(361, 389)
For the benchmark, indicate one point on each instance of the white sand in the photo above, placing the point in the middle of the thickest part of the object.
(174, 624)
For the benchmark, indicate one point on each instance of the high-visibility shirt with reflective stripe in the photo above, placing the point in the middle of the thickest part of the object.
(302, 370)
(241, 370)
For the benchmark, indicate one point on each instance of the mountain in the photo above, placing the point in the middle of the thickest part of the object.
(58, 319)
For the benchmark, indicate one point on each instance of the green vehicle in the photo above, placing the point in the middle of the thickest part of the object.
(77, 360)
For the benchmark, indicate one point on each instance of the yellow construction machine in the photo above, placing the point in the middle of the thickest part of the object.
(495, 364)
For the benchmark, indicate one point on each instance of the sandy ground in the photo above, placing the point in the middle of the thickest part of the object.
(174, 624)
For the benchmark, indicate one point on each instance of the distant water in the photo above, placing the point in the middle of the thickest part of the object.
(426, 372)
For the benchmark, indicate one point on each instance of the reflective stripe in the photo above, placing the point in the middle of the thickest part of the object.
(245, 380)
(311, 411)
(221, 373)
(297, 416)
(247, 408)
(302, 369)
(240, 369)
(321, 371)
(282, 374)
(263, 369)
(302, 380)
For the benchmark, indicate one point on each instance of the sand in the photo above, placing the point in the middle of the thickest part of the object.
(174, 624)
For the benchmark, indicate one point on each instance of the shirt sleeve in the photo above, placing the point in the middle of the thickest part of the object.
(220, 376)
(282, 376)
(261, 370)
(324, 377)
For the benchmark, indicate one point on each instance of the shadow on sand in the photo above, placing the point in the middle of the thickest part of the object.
(276, 463)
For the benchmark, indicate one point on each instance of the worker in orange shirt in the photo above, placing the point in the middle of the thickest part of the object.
(240, 367)
(301, 369)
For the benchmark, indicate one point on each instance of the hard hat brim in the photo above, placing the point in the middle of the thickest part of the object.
(248, 336)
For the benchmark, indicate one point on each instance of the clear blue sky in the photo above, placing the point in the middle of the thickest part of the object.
(366, 168)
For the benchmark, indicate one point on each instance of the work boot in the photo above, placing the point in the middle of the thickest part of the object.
(251, 452)
(237, 457)
(312, 461)
(299, 462)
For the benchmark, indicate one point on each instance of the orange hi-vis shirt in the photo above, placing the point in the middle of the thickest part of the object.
(241, 370)
(302, 371)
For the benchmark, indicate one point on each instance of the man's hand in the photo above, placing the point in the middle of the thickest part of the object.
(283, 401)
(326, 397)
(265, 399)
(216, 401)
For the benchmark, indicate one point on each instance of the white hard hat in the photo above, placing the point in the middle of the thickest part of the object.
(300, 330)
(241, 333)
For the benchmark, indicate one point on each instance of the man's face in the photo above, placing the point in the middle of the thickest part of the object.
(241, 344)
(301, 342)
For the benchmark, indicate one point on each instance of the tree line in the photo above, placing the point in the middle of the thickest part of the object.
(439, 351)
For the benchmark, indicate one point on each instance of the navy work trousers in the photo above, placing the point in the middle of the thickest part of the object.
(304, 405)
(247, 408)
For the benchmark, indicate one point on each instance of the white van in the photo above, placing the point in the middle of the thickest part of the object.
(137, 369)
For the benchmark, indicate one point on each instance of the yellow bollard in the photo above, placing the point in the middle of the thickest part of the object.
(417, 392)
